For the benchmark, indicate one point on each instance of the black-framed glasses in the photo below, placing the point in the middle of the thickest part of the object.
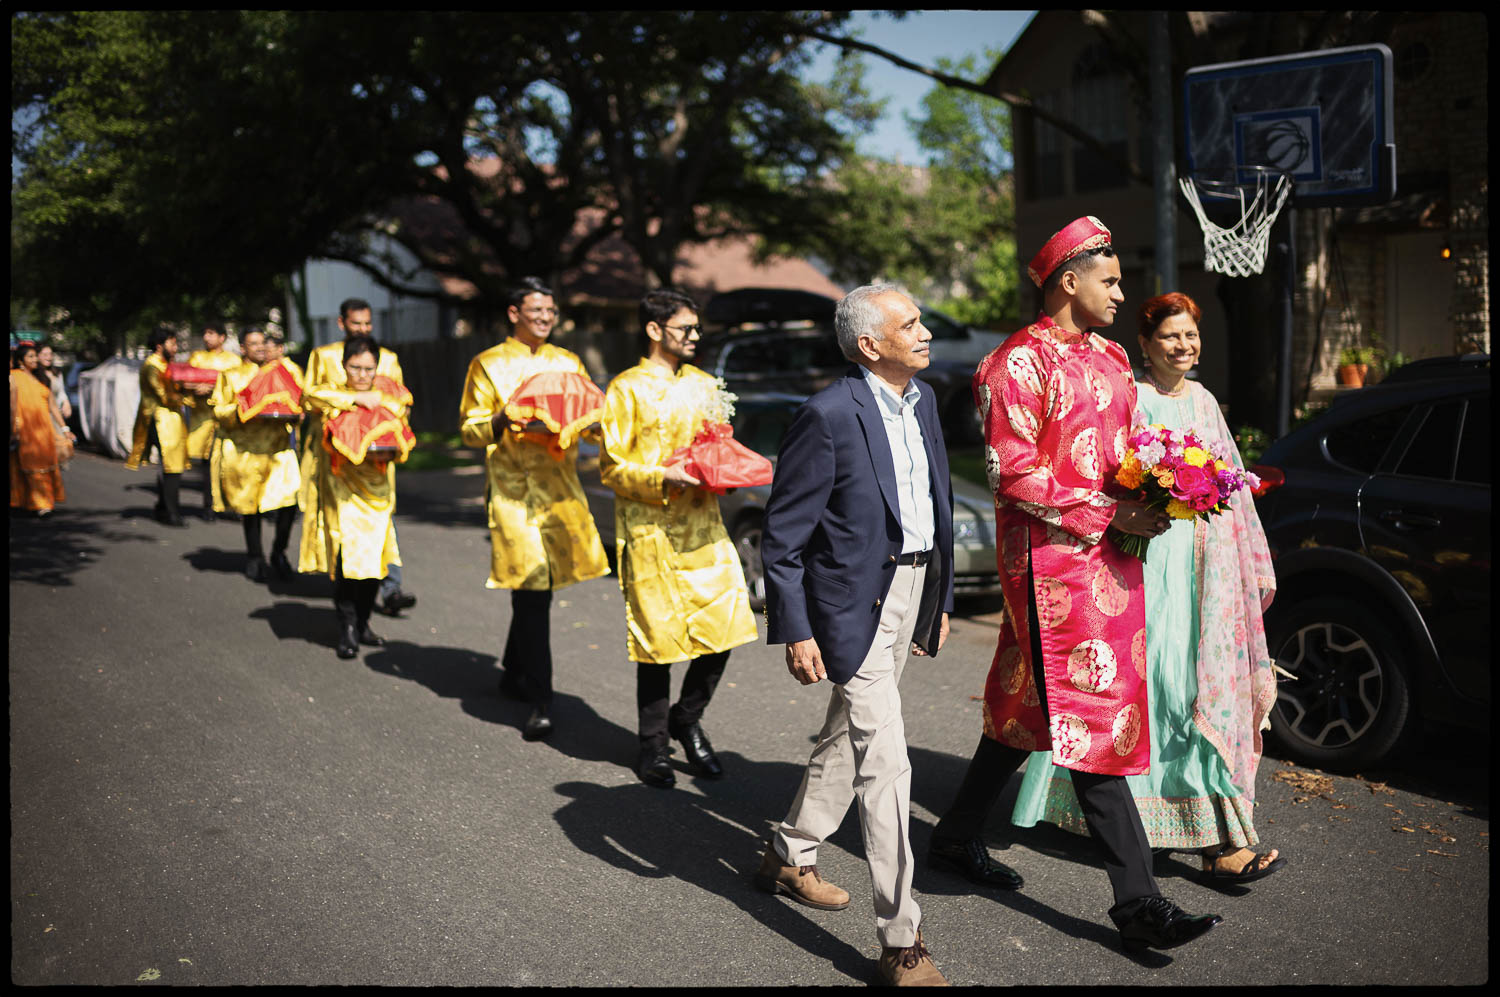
(686, 330)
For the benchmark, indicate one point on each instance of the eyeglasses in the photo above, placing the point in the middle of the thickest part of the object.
(686, 330)
(359, 370)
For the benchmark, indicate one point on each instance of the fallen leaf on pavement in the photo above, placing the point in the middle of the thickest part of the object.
(1450, 855)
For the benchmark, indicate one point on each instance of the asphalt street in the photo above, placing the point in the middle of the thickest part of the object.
(203, 793)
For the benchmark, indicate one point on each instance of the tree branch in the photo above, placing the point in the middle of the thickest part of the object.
(1014, 100)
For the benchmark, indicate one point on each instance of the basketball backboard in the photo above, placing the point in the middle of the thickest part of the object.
(1326, 118)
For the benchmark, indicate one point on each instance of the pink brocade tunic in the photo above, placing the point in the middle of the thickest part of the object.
(1057, 408)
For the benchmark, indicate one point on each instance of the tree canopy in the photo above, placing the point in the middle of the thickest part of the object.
(171, 160)
(944, 228)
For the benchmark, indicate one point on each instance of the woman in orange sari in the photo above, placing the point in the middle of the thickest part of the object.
(36, 428)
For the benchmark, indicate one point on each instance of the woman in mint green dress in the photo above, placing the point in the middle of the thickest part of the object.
(1209, 674)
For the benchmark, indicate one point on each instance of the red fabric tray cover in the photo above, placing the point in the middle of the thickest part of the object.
(272, 392)
(565, 403)
(721, 462)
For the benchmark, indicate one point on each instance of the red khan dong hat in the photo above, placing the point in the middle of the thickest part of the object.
(1078, 236)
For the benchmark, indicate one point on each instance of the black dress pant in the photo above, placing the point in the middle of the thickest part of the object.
(353, 598)
(1106, 801)
(528, 647)
(653, 691)
(251, 524)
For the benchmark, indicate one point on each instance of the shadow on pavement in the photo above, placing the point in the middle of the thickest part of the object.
(314, 624)
(471, 677)
(714, 842)
(1428, 766)
(229, 562)
(49, 551)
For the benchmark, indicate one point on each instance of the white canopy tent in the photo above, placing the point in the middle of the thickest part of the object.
(108, 397)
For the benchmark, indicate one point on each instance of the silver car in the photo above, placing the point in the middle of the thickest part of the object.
(760, 421)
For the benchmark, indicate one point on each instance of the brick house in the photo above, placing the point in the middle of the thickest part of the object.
(1415, 271)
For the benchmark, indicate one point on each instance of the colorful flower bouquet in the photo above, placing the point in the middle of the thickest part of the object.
(1177, 472)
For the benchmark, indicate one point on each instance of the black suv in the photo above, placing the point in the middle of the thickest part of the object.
(1380, 532)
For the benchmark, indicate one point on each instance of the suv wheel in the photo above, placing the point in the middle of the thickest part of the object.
(747, 546)
(1350, 701)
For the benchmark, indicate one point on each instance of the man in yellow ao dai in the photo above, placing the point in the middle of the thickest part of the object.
(257, 464)
(542, 536)
(202, 432)
(685, 596)
(159, 423)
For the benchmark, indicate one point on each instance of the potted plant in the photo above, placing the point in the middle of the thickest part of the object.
(1354, 362)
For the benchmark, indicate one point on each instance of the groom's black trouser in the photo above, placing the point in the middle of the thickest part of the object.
(1106, 801)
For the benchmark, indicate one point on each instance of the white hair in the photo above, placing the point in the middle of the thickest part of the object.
(857, 315)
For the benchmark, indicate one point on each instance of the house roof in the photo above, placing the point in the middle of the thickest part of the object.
(612, 271)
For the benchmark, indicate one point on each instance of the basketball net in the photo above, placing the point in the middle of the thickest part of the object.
(1240, 250)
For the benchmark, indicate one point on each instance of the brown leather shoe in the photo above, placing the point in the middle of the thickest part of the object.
(801, 883)
(909, 967)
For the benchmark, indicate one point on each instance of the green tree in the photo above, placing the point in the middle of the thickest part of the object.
(944, 229)
(164, 154)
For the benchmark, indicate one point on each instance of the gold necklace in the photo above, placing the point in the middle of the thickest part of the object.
(1181, 388)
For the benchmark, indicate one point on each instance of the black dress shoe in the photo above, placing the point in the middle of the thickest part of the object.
(398, 600)
(655, 770)
(538, 725)
(971, 860)
(209, 515)
(370, 638)
(1161, 924)
(167, 519)
(255, 569)
(282, 566)
(348, 641)
(700, 754)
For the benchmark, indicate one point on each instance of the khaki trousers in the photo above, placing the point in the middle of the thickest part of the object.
(861, 753)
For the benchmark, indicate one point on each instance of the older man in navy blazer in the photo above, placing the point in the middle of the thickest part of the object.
(857, 546)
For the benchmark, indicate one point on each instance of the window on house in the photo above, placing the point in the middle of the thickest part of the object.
(1102, 108)
(1048, 142)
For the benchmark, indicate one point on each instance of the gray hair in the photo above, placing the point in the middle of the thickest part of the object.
(857, 315)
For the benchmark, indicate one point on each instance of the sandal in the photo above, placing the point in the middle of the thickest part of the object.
(1249, 872)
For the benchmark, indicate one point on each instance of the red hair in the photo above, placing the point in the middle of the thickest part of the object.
(1155, 311)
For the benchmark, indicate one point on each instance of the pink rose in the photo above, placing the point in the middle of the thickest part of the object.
(1194, 485)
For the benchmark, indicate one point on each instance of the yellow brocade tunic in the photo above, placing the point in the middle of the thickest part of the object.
(542, 535)
(325, 368)
(684, 588)
(257, 468)
(201, 423)
(161, 408)
(357, 501)
(202, 433)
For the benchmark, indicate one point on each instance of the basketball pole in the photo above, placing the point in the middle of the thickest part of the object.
(1288, 286)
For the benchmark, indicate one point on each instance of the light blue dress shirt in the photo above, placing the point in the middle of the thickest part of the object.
(913, 476)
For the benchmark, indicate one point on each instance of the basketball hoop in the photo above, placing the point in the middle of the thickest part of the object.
(1240, 249)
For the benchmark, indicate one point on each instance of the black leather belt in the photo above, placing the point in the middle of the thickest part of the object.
(916, 558)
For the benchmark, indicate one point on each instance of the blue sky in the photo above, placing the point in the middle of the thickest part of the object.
(923, 37)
